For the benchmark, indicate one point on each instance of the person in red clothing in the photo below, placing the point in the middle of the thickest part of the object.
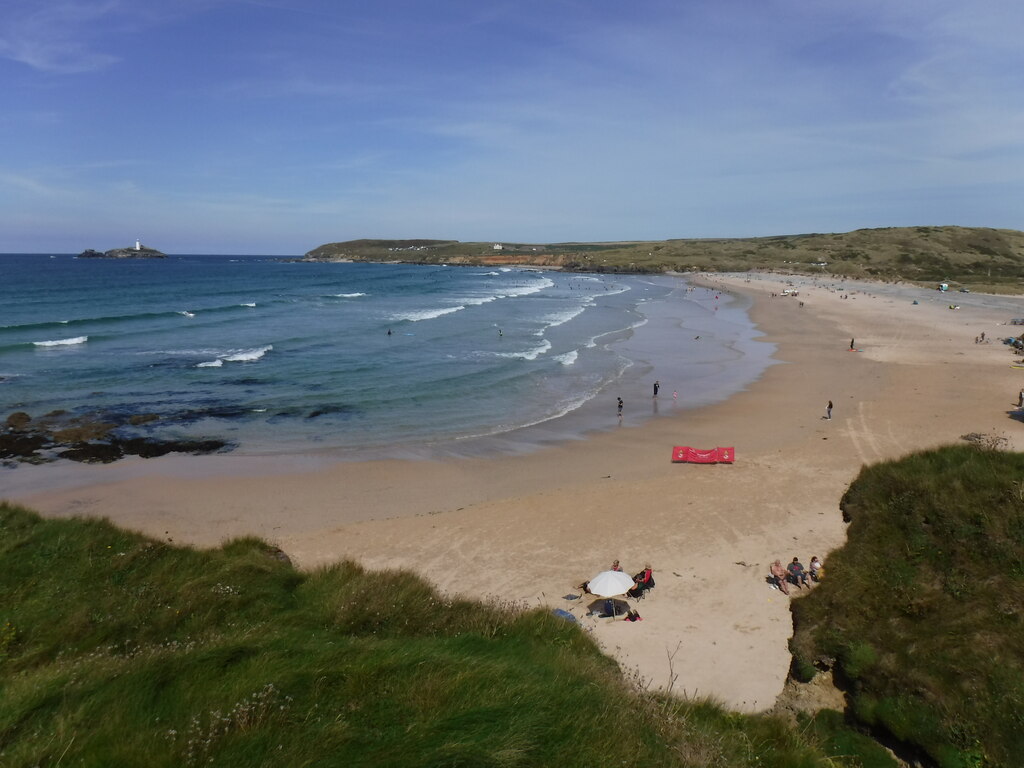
(642, 582)
(616, 566)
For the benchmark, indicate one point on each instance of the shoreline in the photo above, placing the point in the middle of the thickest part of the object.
(528, 527)
(730, 358)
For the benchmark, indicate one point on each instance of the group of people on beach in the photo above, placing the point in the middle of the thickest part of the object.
(781, 577)
(657, 388)
(642, 581)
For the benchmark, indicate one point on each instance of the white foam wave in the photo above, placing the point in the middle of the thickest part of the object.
(568, 358)
(61, 342)
(564, 317)
(426, 314)
(248, 304)
(247, 355)
(239, 356)
(530, 354)
(478, 301)
(526, 290)
(186, 313)
(348, 295)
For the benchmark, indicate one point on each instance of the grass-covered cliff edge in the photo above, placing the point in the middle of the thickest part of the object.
(920, 613)
(982, 258)
(119, 650)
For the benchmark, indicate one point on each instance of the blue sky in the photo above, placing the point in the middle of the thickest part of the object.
(272, 126)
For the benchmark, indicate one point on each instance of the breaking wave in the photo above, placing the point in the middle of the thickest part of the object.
(241, 356)
(61, 342)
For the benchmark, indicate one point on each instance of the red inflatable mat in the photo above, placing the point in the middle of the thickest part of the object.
(697, 456)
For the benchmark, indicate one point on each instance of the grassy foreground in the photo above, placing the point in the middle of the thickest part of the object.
(118, 650)
(920, 613)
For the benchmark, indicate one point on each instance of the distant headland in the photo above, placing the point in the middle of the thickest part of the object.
(986, 259)
(138, 251)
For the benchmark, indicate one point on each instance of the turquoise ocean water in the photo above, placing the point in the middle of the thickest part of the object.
(279, 356)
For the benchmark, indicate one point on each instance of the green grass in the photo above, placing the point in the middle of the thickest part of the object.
(989, 260)
(920, 610)
(117, 650)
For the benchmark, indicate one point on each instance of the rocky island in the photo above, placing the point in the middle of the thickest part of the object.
(138, 251)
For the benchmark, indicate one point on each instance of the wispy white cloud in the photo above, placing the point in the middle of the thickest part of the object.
(55, 37)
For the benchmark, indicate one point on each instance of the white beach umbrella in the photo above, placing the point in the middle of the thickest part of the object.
(610, 584)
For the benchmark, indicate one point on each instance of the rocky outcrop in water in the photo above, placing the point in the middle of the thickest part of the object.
(91, 438)
(142, 252)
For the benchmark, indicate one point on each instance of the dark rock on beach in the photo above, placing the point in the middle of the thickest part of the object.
(18, 420)
(18, 445)
(146, 448)
(91, 438)
(92, 453)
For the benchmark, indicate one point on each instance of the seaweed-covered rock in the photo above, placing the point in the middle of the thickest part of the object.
(18, 420)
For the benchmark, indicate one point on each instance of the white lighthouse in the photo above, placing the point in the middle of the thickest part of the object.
(138, 246)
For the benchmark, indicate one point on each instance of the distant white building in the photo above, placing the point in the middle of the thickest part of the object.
(498, 246)
(138, 246)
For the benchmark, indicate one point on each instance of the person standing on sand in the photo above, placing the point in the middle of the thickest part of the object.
(828, 410)
(657, 386)
(1020, 399)
(620, 407)
(851, 344)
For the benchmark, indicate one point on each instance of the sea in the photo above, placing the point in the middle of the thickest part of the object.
(281, 356)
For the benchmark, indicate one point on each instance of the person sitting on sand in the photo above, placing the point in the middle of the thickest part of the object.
(642, 582)
(797, 574)
(779, 576)
(616, 566)
(815, 568)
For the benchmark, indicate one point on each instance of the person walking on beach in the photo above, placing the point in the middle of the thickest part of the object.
(1020, 399)
(851, 344)
(620, 407)
(828, 410)
(657, 386)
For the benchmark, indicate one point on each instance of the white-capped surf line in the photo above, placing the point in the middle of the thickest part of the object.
(347, 295)
(186, 313)
(569, 358)
(593, 339)
(61, 342)
(248, 304)
(526, 290)
(563, 317)
(476, 302)
(241, 356)
(425, 314)
(530, 354)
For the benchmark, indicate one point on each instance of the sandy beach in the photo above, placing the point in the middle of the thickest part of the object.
(528, 527)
